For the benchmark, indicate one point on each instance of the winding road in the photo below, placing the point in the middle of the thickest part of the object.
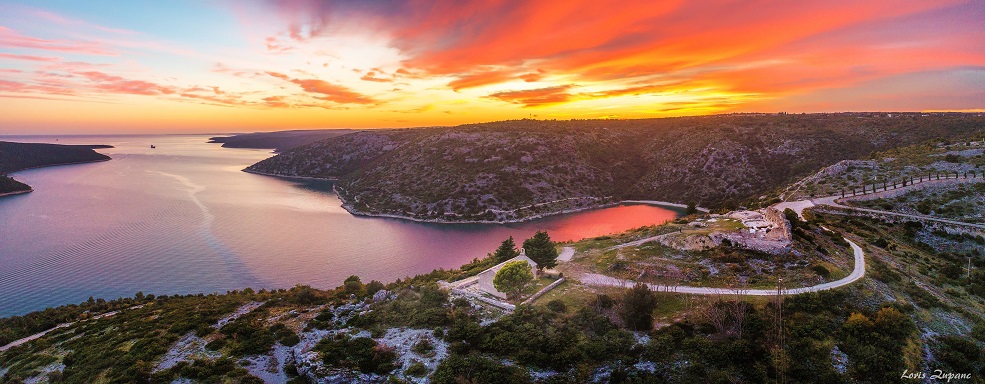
(799, 205)
(857, 273)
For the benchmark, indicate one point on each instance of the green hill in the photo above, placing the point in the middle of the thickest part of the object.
(515, 170)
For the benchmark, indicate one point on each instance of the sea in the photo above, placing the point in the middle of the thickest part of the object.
(182, 218)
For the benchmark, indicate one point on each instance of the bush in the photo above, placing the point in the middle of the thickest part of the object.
(373, 287)
(636, 309)
(603, 302)
(478, 370)
(960, 354)
(820, 270)
(423, 347)
(352, 285)
(361, 353)
(417, 369)
(557, 306)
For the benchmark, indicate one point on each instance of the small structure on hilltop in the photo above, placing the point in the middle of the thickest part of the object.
(485, 282)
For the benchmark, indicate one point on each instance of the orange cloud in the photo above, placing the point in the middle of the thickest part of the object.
(371, 76)
(535, 97)
(327, 91)
(479, 79)
(117, 84)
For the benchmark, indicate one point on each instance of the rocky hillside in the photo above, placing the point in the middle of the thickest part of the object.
(19, 156)
(514, 170)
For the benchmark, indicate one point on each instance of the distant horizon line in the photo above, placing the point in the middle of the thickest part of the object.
(164, 133)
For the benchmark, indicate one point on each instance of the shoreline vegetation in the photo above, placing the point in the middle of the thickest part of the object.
(355, 212)
(16, 157)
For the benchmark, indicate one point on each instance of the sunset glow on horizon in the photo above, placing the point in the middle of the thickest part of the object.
(220, 66)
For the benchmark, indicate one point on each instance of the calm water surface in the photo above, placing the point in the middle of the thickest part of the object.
(183, 218)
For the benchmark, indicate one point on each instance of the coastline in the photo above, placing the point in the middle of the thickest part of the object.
(348, 207)
(31, 189)
(352, 211)
(247, 170)
(16, 192)
(58, 164)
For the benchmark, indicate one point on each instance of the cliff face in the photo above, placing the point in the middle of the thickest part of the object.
(513, 170)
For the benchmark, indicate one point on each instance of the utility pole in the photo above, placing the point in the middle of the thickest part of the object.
(782, 364)
(969, 269)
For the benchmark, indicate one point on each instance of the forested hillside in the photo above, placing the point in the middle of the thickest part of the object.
(18, 156)
(513, 170)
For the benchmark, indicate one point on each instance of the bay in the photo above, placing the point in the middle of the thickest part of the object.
(183, 218)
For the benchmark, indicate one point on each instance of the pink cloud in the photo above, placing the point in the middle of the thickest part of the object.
(11, 39)
(27, 57)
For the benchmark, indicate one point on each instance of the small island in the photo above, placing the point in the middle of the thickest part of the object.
(20, 156)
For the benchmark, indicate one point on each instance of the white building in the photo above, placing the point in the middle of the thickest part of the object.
(485, 282)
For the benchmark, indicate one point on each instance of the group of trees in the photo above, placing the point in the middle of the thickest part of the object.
(515, 276)
(538, 248)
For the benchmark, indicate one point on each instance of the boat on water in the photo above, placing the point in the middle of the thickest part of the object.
(152, 146)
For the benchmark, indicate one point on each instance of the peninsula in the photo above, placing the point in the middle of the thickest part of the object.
(20, 156)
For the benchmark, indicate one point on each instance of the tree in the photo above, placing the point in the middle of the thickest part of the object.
(637, 308)
(792, 217)
(512, 278)
(506, 251)
(353, 285)
(541, 250)
(374, 286)
(692, 208)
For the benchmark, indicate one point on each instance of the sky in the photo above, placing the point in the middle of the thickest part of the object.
(235, 66)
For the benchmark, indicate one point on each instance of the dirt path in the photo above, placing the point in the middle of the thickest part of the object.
(59, 326)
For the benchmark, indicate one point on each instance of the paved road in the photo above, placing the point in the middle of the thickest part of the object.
(834, 203)
(566, 254)
(800, 205)
(857, 273)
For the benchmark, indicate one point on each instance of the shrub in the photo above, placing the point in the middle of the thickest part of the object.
(417, 369)
(603, 302)
(423, 347)
(361, 353)
(476, 369)
(636, 309)
(820, 270)
(352, 285)
(557, 306)
(373, 287)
